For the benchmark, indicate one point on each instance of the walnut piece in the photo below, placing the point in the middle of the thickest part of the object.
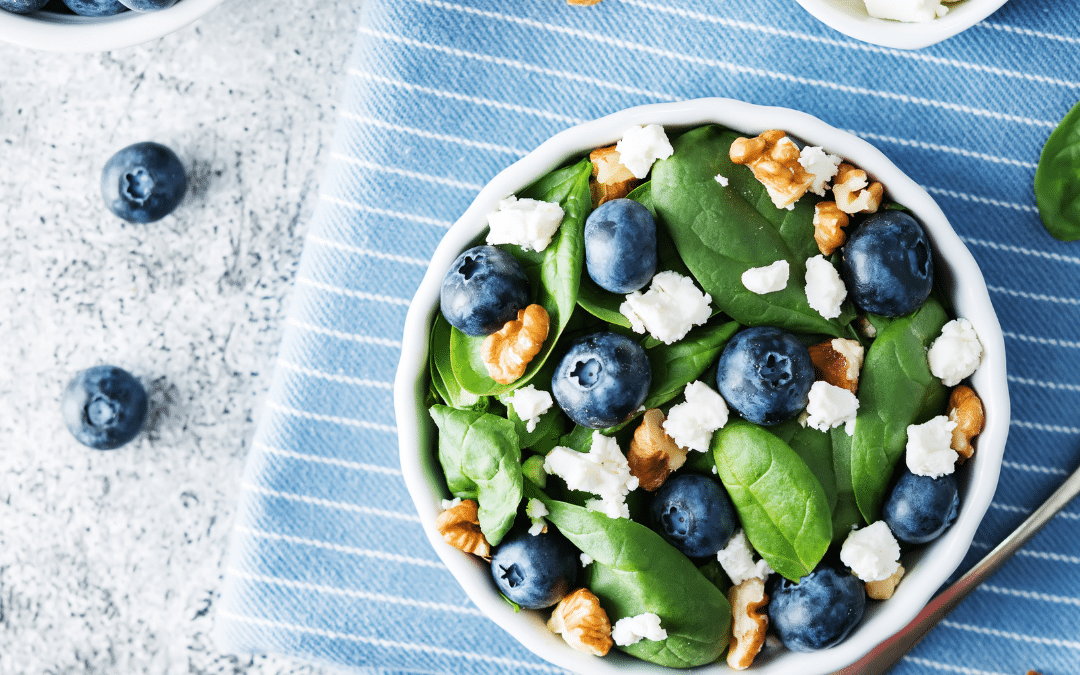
(853, 191)
(829, 223)
(508, 351)
(582, 622)
(838, 361)
(460, 527)
(966, 409)
(610, 178)
(653, 455)
(774, 160)
(884, 589)
(748, 622)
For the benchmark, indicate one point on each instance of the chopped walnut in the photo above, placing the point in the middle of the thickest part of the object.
(829, 224)
(838, 361)
(884, 589)
(460, 527)
(653, 455)
(774, 160)
(610, 178)
(582, 622)
(966, 409)
(748, 622)
(853, 191)
(508, 351)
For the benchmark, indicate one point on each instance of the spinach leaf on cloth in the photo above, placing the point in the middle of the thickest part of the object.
(635, 571)
(554, 274)
(722, 231)
(1057, 179)
(480, 455)
(782, 506)
(896, 389)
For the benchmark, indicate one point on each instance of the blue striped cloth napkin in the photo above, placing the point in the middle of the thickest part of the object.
(328, 560)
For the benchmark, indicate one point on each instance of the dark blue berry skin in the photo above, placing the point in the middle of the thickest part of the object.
(535, 571)
(148, 5)
(765, 374)
(601, 380)
(95, 7)
(143, 182)
(920, 508)
(22, 6)
(694, 514)
(817, 612)
(104, 407)
(887, 265)
(620, 246)
(482, 290)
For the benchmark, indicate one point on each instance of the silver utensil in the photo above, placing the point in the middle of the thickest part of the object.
(886, 654)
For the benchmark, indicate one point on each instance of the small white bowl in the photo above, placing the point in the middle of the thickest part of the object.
(55, 32)
(850, 18)
(955, 269)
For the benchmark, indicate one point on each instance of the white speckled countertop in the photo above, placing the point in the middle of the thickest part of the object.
(110, 562)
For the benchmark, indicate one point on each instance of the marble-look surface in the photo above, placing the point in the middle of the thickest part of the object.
(110, 562)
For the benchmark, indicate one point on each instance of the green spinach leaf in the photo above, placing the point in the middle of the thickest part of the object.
(722, 231)
(782, 506)
(442, 373)
(676, 365)
(481, 457)
(1057, 179)
(845, 513)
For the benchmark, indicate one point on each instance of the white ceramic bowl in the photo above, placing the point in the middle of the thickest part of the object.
(954, 267)
(850, 18)
(54, 32)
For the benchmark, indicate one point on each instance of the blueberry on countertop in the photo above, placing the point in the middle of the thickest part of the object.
(535, 571)
(887, 264)
(920, 508)
(765, 374)
(620, 246)
(817, 612)
(601, 380)
(22, 6)
(482, 290)
(104, 407)
(694, 514)
(143, 182)
(148, 5)
(95, 7)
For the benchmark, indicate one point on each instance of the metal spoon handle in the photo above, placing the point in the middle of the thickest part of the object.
(892, 650)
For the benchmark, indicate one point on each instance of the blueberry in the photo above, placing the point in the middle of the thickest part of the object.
(95, 7)
(817, 612)
(482, 290)
(148, 5)
(601, 380)
(22, 6)
(887, 265)
(694, 514)
(143, 182)
(104, 407)
(765, 374)
(921, 508)
(620, 246)
(535, 571)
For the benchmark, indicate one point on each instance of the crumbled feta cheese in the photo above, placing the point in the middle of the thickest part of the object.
(824, 289)
(830, 406)
(762, 280)
(691, 423)
(821, 165)
(529, 223)
(641, 146)
(909, 11)
(956, 353)
(872, 552)
(631, 629)
(669, 309)
(722, 179)
(737, 560)
(586, 559)
(448, 504)
(603, 471)
(536, 511)
(529, 403)
(929, 447)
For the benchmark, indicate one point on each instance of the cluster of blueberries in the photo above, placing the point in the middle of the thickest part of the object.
(764, 373)
(87, 7)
